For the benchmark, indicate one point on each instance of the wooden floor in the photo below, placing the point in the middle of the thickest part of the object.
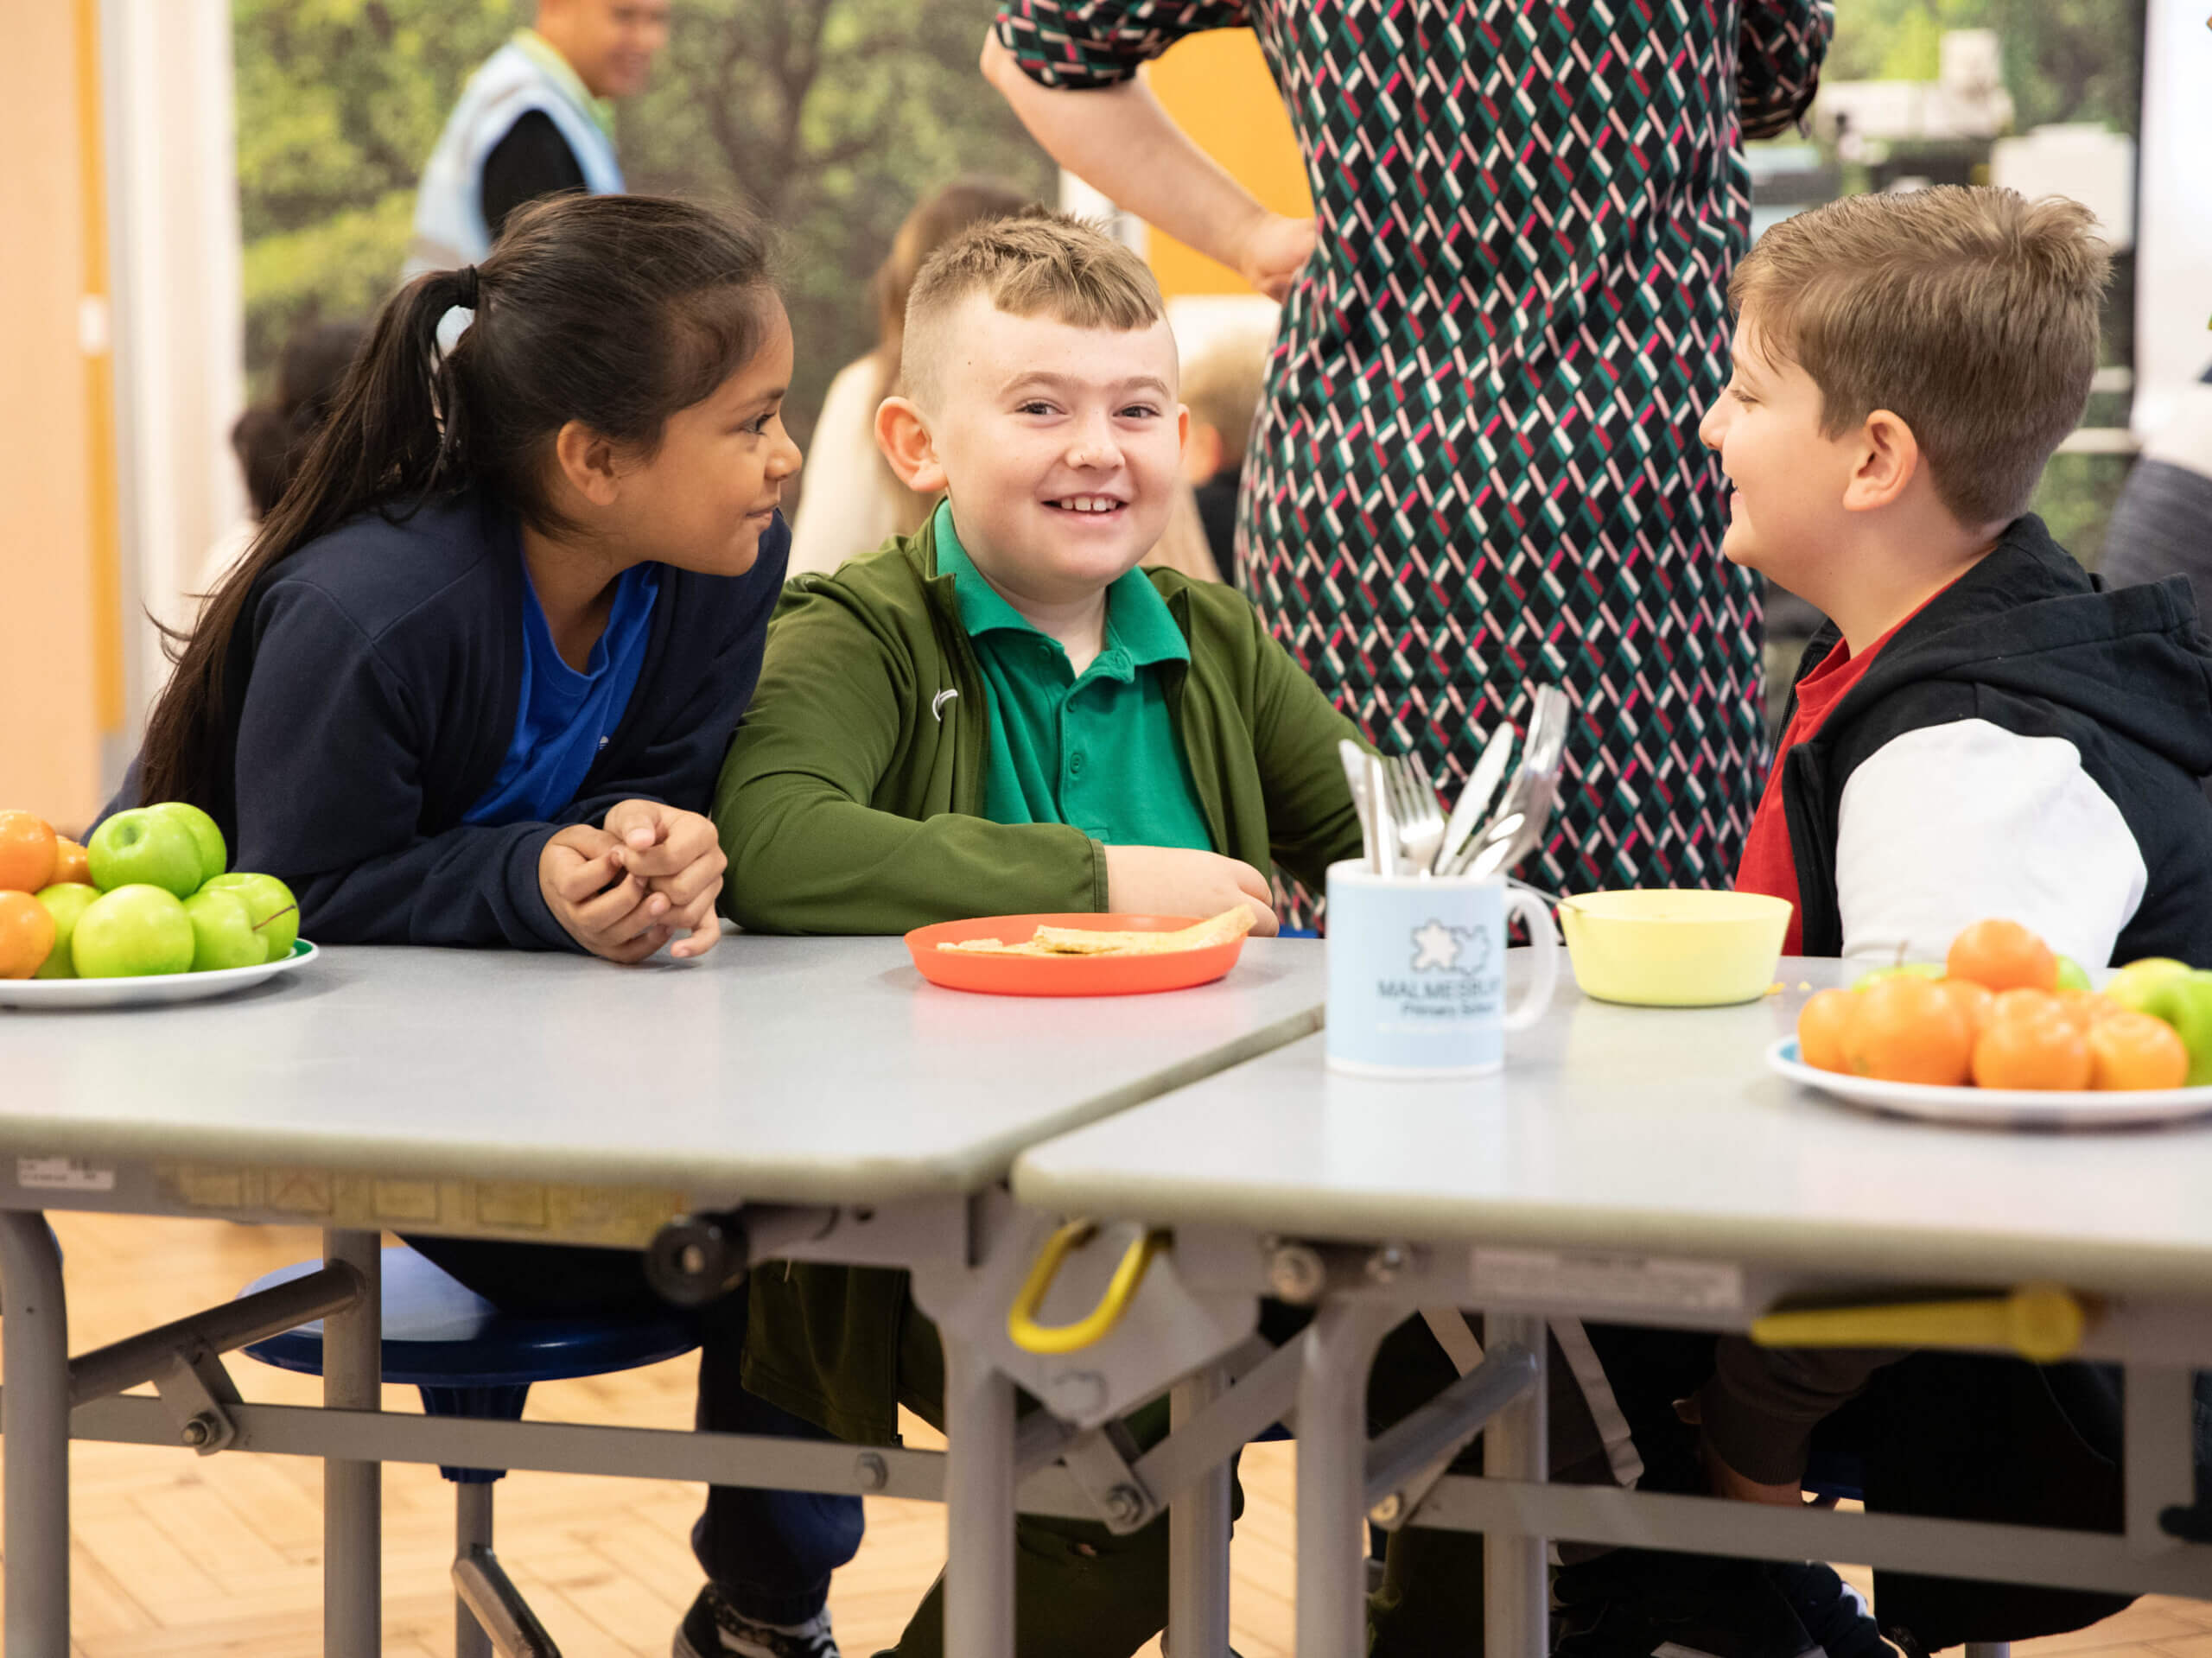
(183, 1556)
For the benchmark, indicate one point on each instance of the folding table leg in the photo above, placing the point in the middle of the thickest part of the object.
(1516, 1594)
(353, 1492)
(35, 1436)
(1197, 1541)
(979, 1505)
(1332, 1476)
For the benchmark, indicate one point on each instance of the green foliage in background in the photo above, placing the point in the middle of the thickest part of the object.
(2063, 59)
(339, 103)
(829, 117)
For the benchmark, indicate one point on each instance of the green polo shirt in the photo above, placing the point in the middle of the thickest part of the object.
(1097, 751)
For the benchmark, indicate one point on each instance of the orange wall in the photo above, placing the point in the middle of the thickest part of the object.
(51, 677)
(1216, 87)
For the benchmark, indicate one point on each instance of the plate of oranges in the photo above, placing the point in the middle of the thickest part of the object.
(2004, 1031)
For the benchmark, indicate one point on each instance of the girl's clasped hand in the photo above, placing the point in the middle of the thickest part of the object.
(624, 890)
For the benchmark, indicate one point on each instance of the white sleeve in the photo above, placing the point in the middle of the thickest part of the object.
(1961, 823)
(847, 500)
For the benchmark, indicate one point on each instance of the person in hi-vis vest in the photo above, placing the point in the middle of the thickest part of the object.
(535, 119)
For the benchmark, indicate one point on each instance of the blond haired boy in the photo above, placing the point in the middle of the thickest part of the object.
(1982, 730)
(1001, 714)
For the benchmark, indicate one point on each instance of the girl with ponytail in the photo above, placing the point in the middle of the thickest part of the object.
(472, 681)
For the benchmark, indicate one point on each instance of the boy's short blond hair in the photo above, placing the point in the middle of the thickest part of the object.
(1034, 263)
(1969, 313)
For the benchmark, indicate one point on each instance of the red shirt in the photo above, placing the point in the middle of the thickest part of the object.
(1767, 865)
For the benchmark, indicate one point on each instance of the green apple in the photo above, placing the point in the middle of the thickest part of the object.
(2184, 1001)
(132, 932)
(145, 846)
(222, 931)
(214, 856)
(2072, 976)
(275, 911)
(2133, 983)
(1909, 969)
(65, 901)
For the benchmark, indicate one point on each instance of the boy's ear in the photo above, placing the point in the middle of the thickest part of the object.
(903, 433)
(1887, 461)
(588, 463)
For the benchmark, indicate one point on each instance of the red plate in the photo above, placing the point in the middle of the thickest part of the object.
(1065, 975)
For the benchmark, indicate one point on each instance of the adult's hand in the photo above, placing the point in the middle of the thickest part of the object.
(1175, 880)
(1273, 251)
(679, 857)
(600, 905)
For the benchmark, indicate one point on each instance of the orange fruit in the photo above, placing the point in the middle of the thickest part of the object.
(26, 852)
(1820, 1025)
(2032, 1051)
(70, 862)
(2003, 955)
(1906, 1030)
(2087, 1007)
(26, 934)
(2133, 1050)
(2029, 1004)
(1973, 999)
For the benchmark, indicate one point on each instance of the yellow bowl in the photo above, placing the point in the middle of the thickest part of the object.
(1674, 947)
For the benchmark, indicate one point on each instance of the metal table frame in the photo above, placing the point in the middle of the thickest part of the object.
(963, 1247)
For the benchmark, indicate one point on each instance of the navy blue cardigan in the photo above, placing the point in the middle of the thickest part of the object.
(370, 692)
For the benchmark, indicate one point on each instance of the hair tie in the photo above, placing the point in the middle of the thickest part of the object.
(469, 287)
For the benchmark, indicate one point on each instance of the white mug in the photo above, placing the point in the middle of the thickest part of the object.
(1417, 972)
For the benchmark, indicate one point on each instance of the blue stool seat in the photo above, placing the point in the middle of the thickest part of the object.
(466, 1356)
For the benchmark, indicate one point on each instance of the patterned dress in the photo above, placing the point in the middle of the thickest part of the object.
(1478, 466)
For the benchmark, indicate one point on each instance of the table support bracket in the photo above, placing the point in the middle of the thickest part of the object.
(1405, 1462)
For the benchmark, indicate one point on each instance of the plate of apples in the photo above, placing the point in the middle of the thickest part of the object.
(146, 912)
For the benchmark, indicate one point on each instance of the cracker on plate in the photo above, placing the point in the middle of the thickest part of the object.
(1078, 941)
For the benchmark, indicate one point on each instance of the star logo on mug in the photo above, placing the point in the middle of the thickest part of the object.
(1438, 948)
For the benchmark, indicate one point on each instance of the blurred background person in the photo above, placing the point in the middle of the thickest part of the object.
(2162, 523)
(1222, 387)
(271, 438)
(536, 119)
(860, 502)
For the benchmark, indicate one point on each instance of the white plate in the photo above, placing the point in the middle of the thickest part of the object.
(155, 990)
(2000, 1107)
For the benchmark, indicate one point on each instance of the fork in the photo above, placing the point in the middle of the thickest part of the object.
(1420, 815)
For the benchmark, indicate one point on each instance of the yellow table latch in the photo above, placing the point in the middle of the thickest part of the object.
(2043, 1323)
(1021, 1325)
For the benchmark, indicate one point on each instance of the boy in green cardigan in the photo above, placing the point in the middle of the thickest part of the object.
(1000, 714)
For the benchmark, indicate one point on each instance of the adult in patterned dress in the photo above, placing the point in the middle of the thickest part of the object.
(1478, 467)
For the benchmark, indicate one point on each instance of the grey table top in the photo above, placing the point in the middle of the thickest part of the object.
(1623, 1128)
(777, 1069)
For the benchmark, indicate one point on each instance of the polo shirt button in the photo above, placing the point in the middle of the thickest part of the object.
(1075, 763)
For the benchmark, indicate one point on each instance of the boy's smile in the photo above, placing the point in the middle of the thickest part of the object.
(1785, 477)
(1059, 445)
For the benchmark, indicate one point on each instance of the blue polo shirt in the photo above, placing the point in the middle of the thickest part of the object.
(1097, 751)
(563, 718)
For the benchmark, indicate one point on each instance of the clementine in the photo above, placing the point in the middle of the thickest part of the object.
(1820, 1025)
(2032, 1051)
(2003, 955)
(26, 852)
(2029, 1004)
(1973, 999)
(71, 862)
(26, 934)
(1906, 1030)
(2133, 1050)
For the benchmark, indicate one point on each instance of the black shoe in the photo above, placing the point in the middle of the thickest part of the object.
(1640, 1604)
(714, 1629)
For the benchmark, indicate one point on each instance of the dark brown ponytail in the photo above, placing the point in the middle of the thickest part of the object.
(616, 311)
